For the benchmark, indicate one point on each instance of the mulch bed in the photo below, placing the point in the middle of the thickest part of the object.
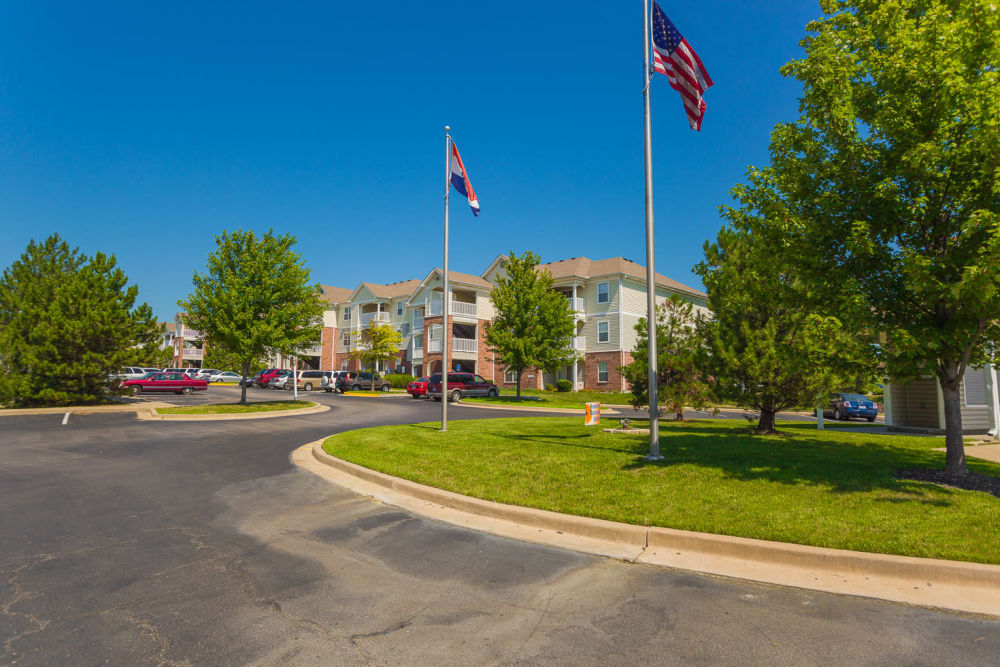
(971, 481)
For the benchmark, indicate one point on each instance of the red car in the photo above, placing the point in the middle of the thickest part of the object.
(461, 384)
(418, 387)
(179, 383)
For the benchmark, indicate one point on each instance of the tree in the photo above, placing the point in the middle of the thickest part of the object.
(153, 354)
(533, 323)
(766, 348)
(680, 381)
(255, 299)
(891, 175)
(216, 356)
(379, 342)
(67, 322)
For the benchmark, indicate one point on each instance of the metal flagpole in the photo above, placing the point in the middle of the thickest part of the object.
(295, 378)
(654, 413)
(444, 298)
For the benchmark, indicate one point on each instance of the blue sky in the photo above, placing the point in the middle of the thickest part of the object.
(144, 129)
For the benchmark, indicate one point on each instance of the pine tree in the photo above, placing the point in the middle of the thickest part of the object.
(67, 322)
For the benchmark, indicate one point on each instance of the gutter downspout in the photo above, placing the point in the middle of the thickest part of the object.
(993, 377)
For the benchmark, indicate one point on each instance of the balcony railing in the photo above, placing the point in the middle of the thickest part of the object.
(316, 351)
(192, 352)
(465, 345)
(418, 323)
(463, 308)
(434, 308)
(418, 353)
(578, 343)
(378, 318)
(344, 346)
(576, 304)
(433, 346)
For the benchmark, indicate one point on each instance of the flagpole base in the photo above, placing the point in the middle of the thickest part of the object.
(653, 457)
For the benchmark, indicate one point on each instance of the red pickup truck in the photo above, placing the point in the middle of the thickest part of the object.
(179, 383)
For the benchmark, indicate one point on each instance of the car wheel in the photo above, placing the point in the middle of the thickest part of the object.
(414, 396)
(871, 419)
(492, 393)
(187, 391)
(308, 386)
(437, 398)
(328, 390)
(135, 389)
(837, 415)
(356, 387)
(385, 387)
(455, 396)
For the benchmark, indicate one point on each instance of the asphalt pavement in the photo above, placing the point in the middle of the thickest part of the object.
(131, 542)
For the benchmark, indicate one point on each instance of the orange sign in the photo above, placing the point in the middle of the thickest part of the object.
(593, 414)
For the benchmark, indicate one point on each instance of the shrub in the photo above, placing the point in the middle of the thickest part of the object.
(399, 380)
(564, 385)
(550, 387)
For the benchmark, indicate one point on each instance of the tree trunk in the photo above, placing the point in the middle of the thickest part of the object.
(766, 424)
(519, 385)
(245, 367)
(953, 441)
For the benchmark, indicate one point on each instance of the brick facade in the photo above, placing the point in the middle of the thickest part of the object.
(329, 344)
(591, 370)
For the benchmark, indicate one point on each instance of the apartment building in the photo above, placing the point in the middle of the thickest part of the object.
(607, 298)
(189, 344)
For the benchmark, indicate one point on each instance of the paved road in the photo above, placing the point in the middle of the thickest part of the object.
(131, 543)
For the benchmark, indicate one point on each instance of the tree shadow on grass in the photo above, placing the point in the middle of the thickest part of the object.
(847, 465)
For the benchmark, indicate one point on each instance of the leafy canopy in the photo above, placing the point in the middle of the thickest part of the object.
(67, 321)
(377, 342)
(255, 299)
(533, 323)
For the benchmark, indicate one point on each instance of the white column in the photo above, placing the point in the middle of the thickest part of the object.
(887, 403)
(992, 384)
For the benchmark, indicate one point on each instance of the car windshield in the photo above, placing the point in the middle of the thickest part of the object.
(423, 379)
(148, 375)
(855, 397)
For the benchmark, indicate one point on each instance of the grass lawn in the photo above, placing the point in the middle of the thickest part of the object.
(555, 399)
(235, 408)
(831, 488)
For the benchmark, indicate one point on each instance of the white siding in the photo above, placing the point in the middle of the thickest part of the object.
(915, 404)
(590, 331)
(975, 417)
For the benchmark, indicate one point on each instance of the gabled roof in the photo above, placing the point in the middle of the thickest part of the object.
(582, 267)
(454, 277)
(332, 294)
(168, 327)
(390, 291)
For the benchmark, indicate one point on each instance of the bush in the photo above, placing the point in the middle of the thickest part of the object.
(550, 387)
(564, 385)
(399, 380)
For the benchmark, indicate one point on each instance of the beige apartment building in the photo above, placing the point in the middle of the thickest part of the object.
(607, 298)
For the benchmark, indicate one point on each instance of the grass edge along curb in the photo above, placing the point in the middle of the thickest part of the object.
(236, 408)
(935, 583)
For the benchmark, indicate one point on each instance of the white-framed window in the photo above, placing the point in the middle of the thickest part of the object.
(399, 309)
(347, 338)
(604, 332)
(345, 365)
(347, 313)
(435, 332)
(603, 295)
(602, 371)
(509, 376)
(975, 387)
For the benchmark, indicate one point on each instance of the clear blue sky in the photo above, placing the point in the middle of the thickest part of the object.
(144, 129)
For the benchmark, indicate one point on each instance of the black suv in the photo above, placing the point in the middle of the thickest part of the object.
(359, 381)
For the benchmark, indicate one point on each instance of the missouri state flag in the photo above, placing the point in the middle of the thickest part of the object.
(460, 179)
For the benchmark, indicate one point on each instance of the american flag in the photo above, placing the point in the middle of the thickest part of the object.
(673, 56)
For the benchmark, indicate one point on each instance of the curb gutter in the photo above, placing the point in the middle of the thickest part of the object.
(945, 584)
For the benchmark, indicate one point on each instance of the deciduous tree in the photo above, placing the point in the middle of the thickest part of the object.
(533, 323)
(255, 299)
(891, 176)
(378, 342)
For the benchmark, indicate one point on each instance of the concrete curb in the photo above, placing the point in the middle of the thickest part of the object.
(954, 585)
(564, 411)
(85, 409)
(152, 415)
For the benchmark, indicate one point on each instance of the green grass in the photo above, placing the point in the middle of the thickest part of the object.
(235, 408)
(831, 488)
(555, 399)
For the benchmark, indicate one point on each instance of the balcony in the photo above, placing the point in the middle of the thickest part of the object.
(192, 353)
(433, 346)
(463, 308)
(434, 308)
(316, 351)
(578, 343)
(468, 345)
(576, 304)
(344, 346)
(377, 318)
(418, 323)
(417, 353)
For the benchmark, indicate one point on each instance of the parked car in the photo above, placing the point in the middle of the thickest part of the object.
(309, 380)
(151, 370)
(179, 383)
(253, 377)
(359, 381)
(222, 376)
(846, 406)
(131, 373)
(187, 371)
(279, 379)
(266, 375)
(461, 384)
(418, 388)
(203, 373)
(330, 381)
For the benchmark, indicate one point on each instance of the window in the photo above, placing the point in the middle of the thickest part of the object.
(975, 386)
(603, 332)
(509, 376)
(347, 313)
(399, 309)
(347, 340)
(479, 379)
(436, 332)
(345, 364)
(602, 371)
(602, 292)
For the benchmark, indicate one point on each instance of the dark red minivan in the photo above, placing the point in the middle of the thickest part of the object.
(461, 384)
